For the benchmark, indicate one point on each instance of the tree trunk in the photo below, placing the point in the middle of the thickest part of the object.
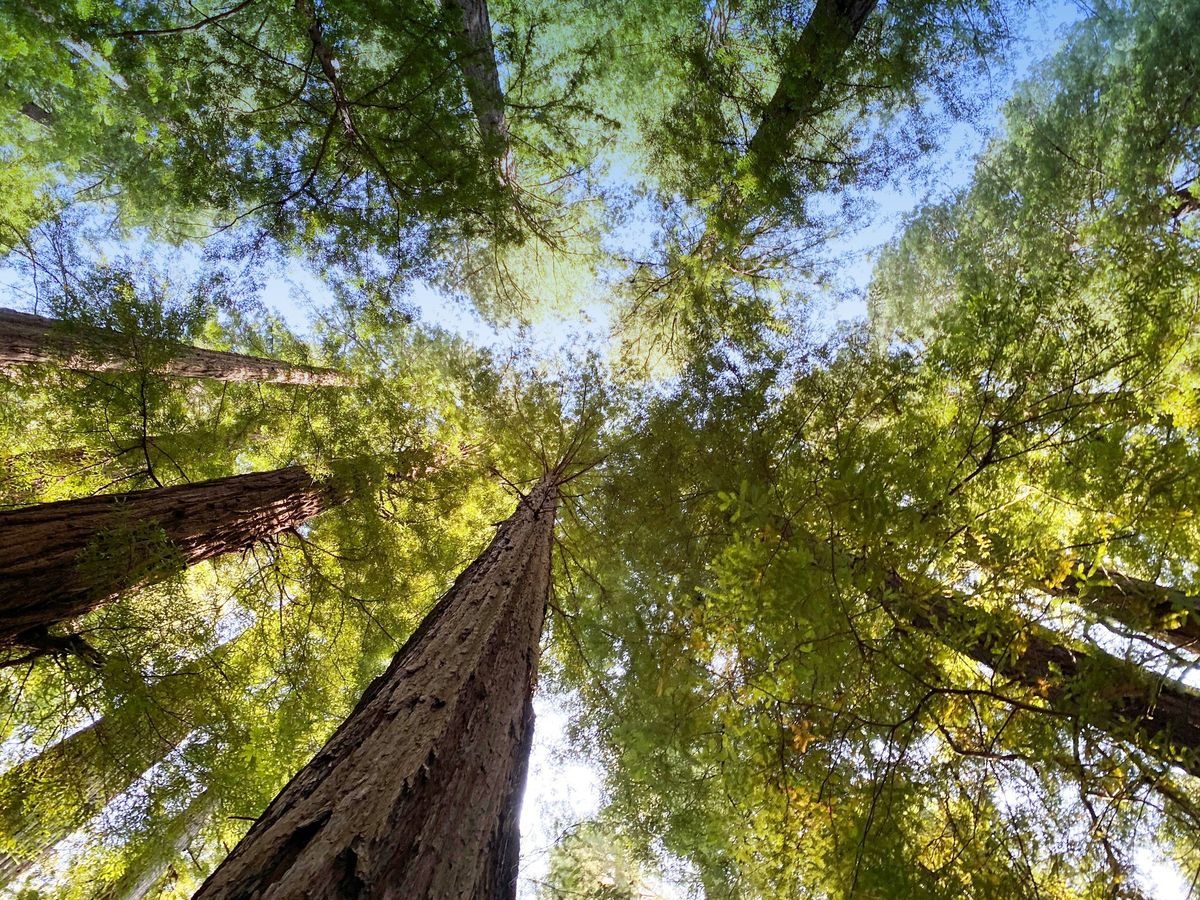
(1164, 612)
(1109, 694)
(60, 560)
(811, 61)
(476, 57)
(26, 339)
(146, 871)
(45, 799)
(417, 793)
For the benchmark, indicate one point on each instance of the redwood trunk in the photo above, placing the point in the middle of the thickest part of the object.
(417, 793)
(26, 339)
(147, 870)
(60, 560)
(88, 770)
(477, 61)
(1099, 690)
(1145, 606)
(811, 62)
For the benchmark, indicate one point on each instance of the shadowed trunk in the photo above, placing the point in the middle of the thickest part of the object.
(45, 799)
(1163, 612)
(26, 339)
(1160, 716)
(811, 62)
(417, 793)
(476, 57)
(37, 113)
(60, 560)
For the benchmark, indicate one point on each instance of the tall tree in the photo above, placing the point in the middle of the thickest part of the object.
(89, 768)
(154, 861)
(476, 58)
(60, 560)
(27, 339)
(421, 786)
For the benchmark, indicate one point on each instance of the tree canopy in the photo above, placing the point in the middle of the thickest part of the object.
(909, 606)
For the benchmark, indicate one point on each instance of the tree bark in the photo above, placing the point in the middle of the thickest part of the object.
(26, 339)
(1158, 715)
(61, 560)
(417, 793)
(811, 61)
(476, 59)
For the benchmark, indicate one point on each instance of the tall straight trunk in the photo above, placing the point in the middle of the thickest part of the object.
(60, 560)
(1158, 715)
(145, 872)
(49, 796)
(45, 799)
(26, 339)
(476, 56)
(811, 63)
(1164, 612)
(417, 794)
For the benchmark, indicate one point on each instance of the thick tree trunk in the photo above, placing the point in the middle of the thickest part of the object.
(26, 339)
(1158, 715)
(477, 61)
(47, 798)
(146, 871)
(811, 62)
(60, 560)
(1164, 612)
(417, 793)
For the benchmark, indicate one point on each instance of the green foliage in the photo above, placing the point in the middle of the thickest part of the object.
(834, 609)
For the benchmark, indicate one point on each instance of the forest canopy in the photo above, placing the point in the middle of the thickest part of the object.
(790, 411)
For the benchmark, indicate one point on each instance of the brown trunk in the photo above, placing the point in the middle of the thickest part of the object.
(417, 793)
(477, 61)
(26, 339)
(1168, 613)
(37, 113)
(811, 61)
(1097, 689)
(60, 560)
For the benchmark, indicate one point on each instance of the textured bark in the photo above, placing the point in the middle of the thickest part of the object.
(60, 560)
(811, 62)
(26, 339)
(417, 793)
(1164, 612)
(477, 60)
(146, 871)
(45, 799)
(1159, 715)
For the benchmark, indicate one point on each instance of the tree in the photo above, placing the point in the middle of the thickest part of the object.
(369, 111)
(902, 613)
(144, 876)
(740, 230)
(26, 339)
(476, 57)
(89, 768)
(434, 754)
(62, 559)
